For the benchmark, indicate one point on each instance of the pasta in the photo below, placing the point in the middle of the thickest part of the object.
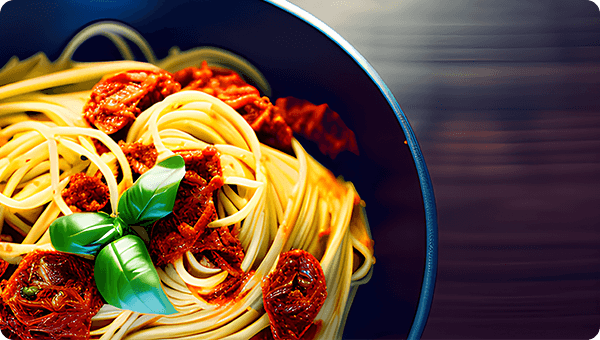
(268, 201)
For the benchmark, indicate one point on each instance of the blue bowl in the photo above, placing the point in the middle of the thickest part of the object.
(300, 56)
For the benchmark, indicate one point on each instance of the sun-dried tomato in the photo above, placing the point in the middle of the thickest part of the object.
(166, 243)
(140, 157)
(51, 295)
(318, 123)
(193, 77)
(194, 207)
(274, 124)
(85, 193)
(205, 163)
(186, 228)
(270, 126)
(293, 294)
(117, 100)
(229, 86)
(222, 83)
(221, 248)
(176, 233)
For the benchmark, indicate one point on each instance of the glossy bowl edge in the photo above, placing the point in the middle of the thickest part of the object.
(431, 256)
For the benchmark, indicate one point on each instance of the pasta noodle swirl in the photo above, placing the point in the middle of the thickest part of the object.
(268, 200)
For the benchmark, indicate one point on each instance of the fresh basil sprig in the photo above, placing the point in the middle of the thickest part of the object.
(153, 195)
(125, 275)
(85, 233)
(123, 269)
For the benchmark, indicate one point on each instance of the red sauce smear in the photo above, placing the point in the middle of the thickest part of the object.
(100, 148)
(51, 295)
(117, 100)
(293, 294)
(85, 193)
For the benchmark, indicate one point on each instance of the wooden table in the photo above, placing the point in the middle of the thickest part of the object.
(504, 97)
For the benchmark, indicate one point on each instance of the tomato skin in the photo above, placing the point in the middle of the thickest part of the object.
(293, 294)
(51, 295)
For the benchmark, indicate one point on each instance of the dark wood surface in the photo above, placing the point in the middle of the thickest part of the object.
(504, 97)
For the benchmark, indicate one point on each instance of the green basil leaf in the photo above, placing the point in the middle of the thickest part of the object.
(127, 279)
(152, 196)
(85, 233)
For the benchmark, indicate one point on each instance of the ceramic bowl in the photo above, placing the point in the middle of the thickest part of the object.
(302, 57)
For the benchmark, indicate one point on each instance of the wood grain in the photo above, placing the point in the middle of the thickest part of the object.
(504, 100)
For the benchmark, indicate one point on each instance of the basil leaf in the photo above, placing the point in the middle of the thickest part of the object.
(127, 279)
(85, 233)
(152, 196)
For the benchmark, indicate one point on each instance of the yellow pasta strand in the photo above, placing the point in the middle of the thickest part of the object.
(275, 200)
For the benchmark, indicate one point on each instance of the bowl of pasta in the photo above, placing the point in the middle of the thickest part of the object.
(204, 170)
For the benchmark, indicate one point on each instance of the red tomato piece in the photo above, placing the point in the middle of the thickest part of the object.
(140, 157)
(117, 100)
(318, 123)
(293, 294)
(51, 295)
(85, 193)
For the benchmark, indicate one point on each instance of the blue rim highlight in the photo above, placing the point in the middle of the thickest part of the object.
(431, 257)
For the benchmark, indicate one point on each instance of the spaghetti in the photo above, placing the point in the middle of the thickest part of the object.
(256, 206)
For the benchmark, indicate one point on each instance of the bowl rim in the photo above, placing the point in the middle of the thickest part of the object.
(431, 256)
